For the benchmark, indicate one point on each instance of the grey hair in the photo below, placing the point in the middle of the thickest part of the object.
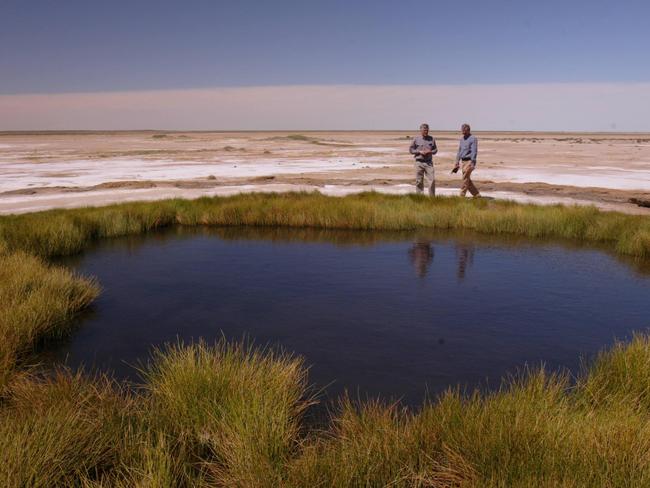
(465, 125)
(424, 126)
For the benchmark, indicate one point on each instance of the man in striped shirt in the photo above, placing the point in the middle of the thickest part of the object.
(467, 152)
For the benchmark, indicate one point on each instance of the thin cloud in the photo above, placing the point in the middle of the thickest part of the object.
(559, 107)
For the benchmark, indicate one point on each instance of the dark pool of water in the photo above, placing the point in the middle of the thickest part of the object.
(376, 314)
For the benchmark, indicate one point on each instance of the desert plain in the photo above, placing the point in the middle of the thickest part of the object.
(44, 170)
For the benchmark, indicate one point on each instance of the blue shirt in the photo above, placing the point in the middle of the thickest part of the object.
(467, 149)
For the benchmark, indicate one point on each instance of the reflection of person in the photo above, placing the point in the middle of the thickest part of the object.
(467, 152)
(421, 255)
(465, 255)
(423, 148)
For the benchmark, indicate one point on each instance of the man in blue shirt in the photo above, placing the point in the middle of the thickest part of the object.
(467, 152)
(423, 148)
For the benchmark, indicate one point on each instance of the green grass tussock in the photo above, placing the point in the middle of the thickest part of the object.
(37, 302)
(535, 432)
(369, 444)
(58, 431)
(620, 376)
(60, 232)
(238, 409)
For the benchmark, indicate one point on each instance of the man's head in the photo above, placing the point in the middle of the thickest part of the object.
(466, 129)
(424, 129)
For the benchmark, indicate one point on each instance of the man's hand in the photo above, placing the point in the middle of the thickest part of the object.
(426, 152)
(456, 168)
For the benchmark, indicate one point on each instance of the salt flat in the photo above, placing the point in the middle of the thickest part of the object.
(46, 170)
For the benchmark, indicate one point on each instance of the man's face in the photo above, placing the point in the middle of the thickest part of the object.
(424, 131)
(465, 130)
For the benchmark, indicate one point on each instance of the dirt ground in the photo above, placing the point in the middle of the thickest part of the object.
(69, 169)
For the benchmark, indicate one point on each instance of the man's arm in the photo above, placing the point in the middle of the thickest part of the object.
(413, 148)
(474, 150)
(434, 149)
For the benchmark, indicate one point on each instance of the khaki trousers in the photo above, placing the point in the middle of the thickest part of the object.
(422, 169)
(468, 184)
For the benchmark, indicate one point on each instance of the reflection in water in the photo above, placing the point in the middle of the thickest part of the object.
(365, 318)
(421, 255)
(346, 238)
(465, 256)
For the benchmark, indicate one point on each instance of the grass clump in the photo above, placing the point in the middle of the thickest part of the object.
(37, 302)
(620, 376)
(535, 432)
(57, 233)
(57, 431)
(221, 415)
(235, 408)
(368, 444)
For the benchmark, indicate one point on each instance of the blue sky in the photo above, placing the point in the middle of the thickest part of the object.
(73, 46)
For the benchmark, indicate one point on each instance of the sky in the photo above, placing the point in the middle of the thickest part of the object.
(161, 55)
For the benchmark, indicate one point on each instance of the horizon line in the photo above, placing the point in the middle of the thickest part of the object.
(232, 131)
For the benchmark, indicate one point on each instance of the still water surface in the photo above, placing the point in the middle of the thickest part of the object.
(377, 314)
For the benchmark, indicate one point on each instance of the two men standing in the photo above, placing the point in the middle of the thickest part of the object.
(424, 147)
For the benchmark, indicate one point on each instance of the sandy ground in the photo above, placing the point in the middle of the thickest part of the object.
(47, 170)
